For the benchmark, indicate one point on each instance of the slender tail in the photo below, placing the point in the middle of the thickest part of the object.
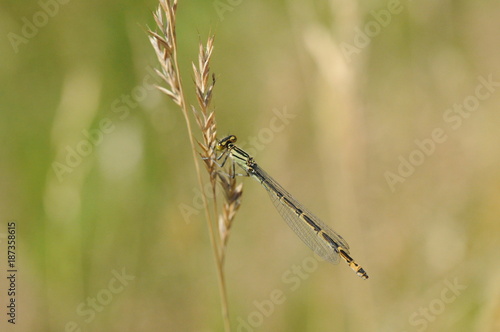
(352, 264)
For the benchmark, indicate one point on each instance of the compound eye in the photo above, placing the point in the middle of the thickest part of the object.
(225, 141)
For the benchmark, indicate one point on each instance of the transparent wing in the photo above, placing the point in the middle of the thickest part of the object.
(313, 232)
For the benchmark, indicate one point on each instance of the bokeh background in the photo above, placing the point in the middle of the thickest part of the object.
(325, 109)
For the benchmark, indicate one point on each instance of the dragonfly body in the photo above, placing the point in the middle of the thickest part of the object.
(316, 235)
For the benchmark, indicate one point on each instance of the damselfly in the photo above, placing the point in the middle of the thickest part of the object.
(316, 235)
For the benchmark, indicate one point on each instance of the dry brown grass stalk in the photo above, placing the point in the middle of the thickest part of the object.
(165, 45)
(206, 122)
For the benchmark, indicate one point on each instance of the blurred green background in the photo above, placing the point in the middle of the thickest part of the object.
(363, 86)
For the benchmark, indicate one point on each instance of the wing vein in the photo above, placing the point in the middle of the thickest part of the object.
(309, 228)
